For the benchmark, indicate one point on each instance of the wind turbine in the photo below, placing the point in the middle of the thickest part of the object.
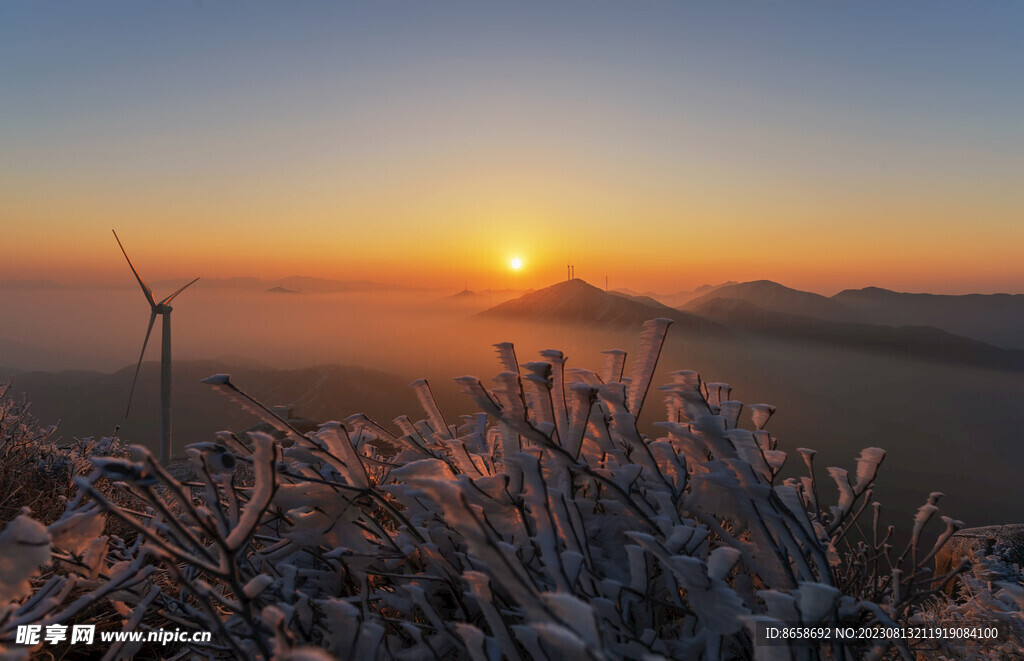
(162, 308)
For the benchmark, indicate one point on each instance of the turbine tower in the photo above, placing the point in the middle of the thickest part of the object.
(162, 308)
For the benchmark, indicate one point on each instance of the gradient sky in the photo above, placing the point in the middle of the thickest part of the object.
(823, 145)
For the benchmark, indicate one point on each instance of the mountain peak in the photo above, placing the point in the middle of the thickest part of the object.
(780, 298)
(578, 301)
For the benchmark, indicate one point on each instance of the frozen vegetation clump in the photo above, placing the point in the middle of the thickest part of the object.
(34, 471)
(546, 526)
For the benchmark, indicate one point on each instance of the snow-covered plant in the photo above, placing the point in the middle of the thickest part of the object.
(547, 525)
(38, 472)
(35, 472)
(47, 572)
(990, 594)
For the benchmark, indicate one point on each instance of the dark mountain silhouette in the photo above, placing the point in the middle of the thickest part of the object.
(995, 318)
(282, 290)
(778, 298)
(467, 295)
(486, 293)
(578, 302)
(468, 301)
(918, 342)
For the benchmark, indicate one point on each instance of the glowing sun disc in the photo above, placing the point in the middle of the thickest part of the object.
(516, 263)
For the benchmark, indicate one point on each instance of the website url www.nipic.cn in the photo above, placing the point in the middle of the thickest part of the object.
(85, 634)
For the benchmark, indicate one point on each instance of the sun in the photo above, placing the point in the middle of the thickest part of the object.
(516, 263)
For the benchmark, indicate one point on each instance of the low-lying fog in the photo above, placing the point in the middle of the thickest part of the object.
(946, 428)
(103, 329)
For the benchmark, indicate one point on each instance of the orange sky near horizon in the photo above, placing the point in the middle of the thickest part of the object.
(665, 149)
(659, 260)
(656, 240)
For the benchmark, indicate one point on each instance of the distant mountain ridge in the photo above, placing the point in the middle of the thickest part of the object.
(778, 298)
(917, 342)
(765, 308)
(995, 318)
(469, 294)
(675, 299)
(576, 301)
(768, 308)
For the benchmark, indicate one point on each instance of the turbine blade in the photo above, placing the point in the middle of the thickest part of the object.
(152, 319)
(167, 301)
(145, 289)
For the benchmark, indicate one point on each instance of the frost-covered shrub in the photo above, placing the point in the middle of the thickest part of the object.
(36, 484)
(545, 526)
(991, 593)
(36, 472)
